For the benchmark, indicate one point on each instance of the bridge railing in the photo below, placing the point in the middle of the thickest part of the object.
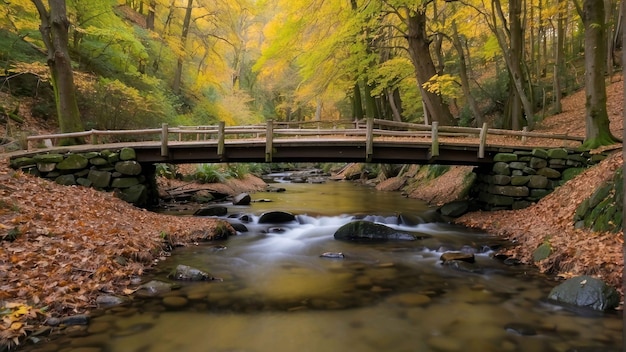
(366, 129)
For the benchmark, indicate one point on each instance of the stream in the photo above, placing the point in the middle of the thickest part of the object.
(277, 291)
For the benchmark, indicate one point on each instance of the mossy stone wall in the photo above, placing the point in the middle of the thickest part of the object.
(518, 179)
(109, 170)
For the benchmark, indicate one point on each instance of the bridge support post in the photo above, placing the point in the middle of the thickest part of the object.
(483, 141)
(369, 140)
(220, 140)
(434, 133)
(164, 132)
(269, 138)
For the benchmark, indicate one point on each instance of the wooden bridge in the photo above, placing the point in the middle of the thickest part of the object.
(370, 140)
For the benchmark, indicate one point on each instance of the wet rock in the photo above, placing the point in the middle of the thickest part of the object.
(409, 219)
(216, 210)
(520, 329)
(242, 199)
(109, 300)
(463, 266)
(465, 257)
(188, 273)
(332, 255)
(153, 288)
(586, 291)
(53, 321)
(276, 217)
(239, 227)
(454, 209)
(275, 189)
(366, 231)
(79, 319)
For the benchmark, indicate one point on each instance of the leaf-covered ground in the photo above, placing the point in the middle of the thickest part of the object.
(65, 245)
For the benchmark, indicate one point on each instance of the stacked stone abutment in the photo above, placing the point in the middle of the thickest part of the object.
(111, 171)
(518, 179)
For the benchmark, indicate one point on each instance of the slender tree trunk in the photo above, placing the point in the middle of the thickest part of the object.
(370, 103)
(419, 51)
(597, 131)
(357, 109)
(559, 59)
(392, 95)
(183, 39)
(151, 14)
(318, 110)
(54, 32)
(513, 56)
(465, 85)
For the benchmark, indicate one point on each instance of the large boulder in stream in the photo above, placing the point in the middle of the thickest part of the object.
(587, 292)
(367, 231)
(242, 199)
(276, 217)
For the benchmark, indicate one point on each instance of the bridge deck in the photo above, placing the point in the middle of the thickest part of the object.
(399, 143)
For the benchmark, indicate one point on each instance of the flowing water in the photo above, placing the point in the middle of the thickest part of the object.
(277, 293)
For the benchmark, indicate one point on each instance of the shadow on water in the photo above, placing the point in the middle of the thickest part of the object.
(291, 286)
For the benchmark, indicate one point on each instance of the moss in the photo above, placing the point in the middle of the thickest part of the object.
(542, 252)
(435, 171)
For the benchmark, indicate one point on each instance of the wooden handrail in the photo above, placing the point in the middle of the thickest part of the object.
(273, 130)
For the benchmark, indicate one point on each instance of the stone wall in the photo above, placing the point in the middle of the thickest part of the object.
(111, 171)
(517, 179)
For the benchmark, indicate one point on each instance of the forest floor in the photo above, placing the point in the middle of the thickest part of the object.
(60, 247)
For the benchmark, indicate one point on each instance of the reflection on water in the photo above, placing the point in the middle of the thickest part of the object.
(278, 294)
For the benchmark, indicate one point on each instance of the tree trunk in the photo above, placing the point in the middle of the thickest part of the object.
(183, 39)
(357, 109)
(465, 85)
(151, 15)
(559, 59)
(513, 55)
(54, 32)
(419, 51)
(371, 111)
(395, 105)
(597, 131)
